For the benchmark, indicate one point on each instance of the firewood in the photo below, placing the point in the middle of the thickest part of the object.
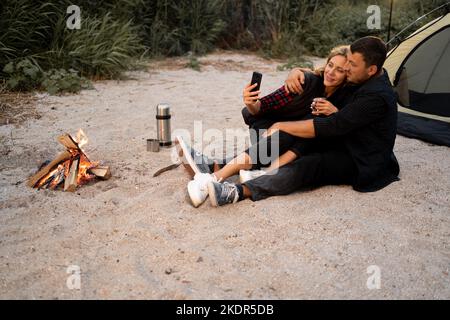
(67, 141)
(101, 172)
(70, 184)
(44, 171)
(168, 168)
(59, 178)
(45, 184)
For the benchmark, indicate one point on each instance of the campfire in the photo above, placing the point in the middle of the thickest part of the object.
(70, 168)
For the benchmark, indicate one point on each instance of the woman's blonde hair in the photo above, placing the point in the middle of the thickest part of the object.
(336, 51)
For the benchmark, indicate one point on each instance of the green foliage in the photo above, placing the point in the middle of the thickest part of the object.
(59, 80)
(177, 27)
(26, 28)
(23, 75)
(103, 47)
(342, 22)
(294, 63)
(115, 34)
(26, 75)
(193, 63)
(289, 28)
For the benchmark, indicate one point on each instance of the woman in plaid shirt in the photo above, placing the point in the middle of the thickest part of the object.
(323, 92)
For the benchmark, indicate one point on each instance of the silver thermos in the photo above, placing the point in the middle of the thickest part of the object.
(163, 124)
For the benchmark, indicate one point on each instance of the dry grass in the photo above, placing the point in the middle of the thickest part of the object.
(15, 108)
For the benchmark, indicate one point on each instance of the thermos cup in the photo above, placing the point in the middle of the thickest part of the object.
(163, 124)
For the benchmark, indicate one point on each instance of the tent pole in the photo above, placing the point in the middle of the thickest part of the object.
(390, 20)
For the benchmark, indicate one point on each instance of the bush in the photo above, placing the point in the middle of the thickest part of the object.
(26, 29)
(293, 27)
(23, 75)
(103, 47)
(115, 33)
(193, 63)
(295, 63)
(342, 22)
(175, 27)
(36, 30)
(59, 81)
(26, 75)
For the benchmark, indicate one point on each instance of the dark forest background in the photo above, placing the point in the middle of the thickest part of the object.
(37, 50)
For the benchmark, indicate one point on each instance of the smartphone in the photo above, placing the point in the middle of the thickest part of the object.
(256, 78)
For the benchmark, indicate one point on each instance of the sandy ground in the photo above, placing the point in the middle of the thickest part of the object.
(135, 236)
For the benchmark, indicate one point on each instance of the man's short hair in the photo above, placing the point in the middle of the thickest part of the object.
(373, 50)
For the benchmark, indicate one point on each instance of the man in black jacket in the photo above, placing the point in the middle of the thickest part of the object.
(366, 126)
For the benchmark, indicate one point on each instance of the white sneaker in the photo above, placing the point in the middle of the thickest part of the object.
(198, 188)
(246, 175)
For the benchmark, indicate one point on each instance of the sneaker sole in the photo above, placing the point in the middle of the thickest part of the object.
(212, 194)
(196, 201)
(186, 158)
(242, 180)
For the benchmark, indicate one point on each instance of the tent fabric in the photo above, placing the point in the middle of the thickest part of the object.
(419, 69)
(429, 130)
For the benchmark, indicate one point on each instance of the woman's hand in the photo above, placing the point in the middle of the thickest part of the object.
(321, 106)
(251, 98)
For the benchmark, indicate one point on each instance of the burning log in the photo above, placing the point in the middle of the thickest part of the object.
(59, 178)
(101, 172)
(71, 168)
(32, 182)
(71, 182)
(67, 141)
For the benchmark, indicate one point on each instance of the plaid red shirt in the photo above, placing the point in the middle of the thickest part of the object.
(276, 100)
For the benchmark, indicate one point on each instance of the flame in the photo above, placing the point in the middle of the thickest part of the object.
(82, 139)
(83, 167)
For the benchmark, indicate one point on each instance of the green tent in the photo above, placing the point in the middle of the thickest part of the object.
(419, 69)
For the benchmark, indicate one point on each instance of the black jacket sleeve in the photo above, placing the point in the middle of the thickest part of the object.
(364, 110)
